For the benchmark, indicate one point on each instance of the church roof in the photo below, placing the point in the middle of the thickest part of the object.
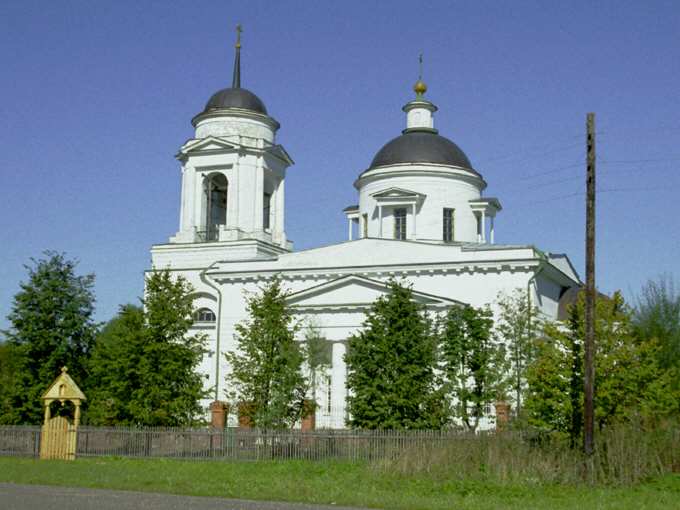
(235, 98)
(421, 146)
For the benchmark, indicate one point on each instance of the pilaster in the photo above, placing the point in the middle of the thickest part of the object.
(259, 195)
(280, 212)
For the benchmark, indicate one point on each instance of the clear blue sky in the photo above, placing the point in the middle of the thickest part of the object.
(96, 98)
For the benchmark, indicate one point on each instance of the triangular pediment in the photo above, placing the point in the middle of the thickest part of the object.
(210, 143)
(63, 388)
(397, 193)
(356, 292)
(279, 152)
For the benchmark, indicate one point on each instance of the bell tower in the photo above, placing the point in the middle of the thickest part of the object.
(233, 174)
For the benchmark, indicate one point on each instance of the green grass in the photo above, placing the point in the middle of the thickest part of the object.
(333, 482)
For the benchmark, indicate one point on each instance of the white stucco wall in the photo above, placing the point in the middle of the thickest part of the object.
(443, 187)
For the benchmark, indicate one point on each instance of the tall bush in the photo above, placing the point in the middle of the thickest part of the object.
(472, 361)
(266, 380)
(657, 317)
(629, 382)
(391, 363)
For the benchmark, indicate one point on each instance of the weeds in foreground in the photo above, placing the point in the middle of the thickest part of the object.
(625, 454)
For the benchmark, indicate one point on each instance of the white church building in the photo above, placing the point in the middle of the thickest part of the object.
(421, 216)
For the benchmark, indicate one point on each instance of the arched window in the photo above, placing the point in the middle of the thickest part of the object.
(216, 205)
(204, 315)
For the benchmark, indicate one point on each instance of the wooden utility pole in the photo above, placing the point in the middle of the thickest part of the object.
(589, 365)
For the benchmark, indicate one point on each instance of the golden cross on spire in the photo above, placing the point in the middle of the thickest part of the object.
(420, 67)
(239, 29)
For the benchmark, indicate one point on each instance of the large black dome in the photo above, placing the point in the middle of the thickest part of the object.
(421, 147)
(235, 98)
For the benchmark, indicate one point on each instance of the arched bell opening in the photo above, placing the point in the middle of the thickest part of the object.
(67, 409)
(215, 195)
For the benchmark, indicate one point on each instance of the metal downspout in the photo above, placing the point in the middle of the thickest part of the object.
(204, 278)
(542, 258)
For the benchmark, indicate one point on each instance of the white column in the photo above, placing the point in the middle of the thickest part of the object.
(414, 221)
(349, 234)
(259, 195)
(237, 192)
(189, 178)
(380, 222)
(280, 210)
(483, 226)
(232, 196)
(491, 232)
(274, 205)
(338, 388)
(199, 220)
(183, 197)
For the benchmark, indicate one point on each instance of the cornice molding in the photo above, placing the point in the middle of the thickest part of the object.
(416, 269)
(419, 169)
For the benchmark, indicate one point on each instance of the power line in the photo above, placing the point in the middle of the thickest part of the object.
(599, 191)
(555, 198)
(547, 183)
(635, 189)
(647, 160)
(548, 172)
(520, 156)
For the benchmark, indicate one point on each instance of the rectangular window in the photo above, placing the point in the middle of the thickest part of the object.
(364, 226)
(448, 225)
(400, 224)
(266, 210)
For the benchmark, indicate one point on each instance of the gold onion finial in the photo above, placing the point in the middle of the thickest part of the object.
(420, 88)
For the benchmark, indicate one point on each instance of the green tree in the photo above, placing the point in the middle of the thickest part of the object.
(8, 374)
(266, 369)
(555, 378)
(317, 352)
(51, 326)
(472, 362)
(144, 368)
(657, 316)
(628, 379)
(516, 325)
(114, 369)
(391, 362)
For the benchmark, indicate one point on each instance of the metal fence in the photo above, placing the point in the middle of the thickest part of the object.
(232, 443)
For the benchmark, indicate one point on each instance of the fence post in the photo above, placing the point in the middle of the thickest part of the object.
(36, 443)
(502, 415)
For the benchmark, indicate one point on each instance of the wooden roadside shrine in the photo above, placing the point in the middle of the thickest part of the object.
(58, 436)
